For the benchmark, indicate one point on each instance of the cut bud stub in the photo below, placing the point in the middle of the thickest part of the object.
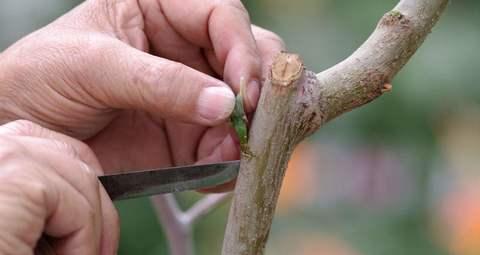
(286, 68)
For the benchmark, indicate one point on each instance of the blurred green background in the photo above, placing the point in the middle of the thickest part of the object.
(398, 176)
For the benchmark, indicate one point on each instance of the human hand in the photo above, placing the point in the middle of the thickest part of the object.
(134, 79)
(48, 184)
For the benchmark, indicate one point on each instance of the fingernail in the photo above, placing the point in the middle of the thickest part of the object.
(216, 103)
(253, 94)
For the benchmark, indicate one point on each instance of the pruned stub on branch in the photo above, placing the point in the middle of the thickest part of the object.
(284, 116)
(297, 87)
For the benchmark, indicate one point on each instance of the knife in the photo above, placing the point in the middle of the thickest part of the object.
(157, 181)
(168, 180)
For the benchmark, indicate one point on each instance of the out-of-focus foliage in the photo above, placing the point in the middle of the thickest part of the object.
(398, 176)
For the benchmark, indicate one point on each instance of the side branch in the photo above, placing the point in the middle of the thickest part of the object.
(368, 72)
(203, 207)
(178, 224)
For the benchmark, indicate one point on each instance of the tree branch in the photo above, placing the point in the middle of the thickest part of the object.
(178, 224)
(203, 207)
(178, 233)
(294, 103)
(362, 77)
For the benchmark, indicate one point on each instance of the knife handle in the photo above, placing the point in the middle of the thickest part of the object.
(44, 247)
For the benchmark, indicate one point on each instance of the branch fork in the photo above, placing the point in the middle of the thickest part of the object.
(296, 102)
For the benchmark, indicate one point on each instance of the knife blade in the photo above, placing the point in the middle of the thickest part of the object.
(168, 180)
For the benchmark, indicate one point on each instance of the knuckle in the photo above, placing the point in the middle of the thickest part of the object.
(90, 176)
(21, 127)
(238, 5)
(172, 71)
(235, 6)
(147, 73)
(142, 76)
(36, 192)
(85, 153)
(89, 213)
(175, 77)
(97, 47)
(27, 187)
(267, 35)
(115, 218)
(88, 49)
(82, 147)
(272, 37)
(65, 147)
(163, 77)
(10, 150)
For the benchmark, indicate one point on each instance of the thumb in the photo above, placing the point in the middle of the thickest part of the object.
(132, 79)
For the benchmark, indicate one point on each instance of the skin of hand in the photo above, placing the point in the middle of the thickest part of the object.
(48, 184)
(140, 81)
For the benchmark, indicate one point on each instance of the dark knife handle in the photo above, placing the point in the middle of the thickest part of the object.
(43, 247)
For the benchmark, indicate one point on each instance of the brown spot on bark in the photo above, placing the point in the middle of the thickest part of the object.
(387, 87)
(394, 18)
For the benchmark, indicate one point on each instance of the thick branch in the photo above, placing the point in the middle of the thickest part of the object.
(295, 103)
(274, 133)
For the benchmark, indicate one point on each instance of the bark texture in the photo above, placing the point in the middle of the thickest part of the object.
(296, 102)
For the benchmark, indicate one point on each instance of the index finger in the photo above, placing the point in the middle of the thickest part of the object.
(224, 26)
